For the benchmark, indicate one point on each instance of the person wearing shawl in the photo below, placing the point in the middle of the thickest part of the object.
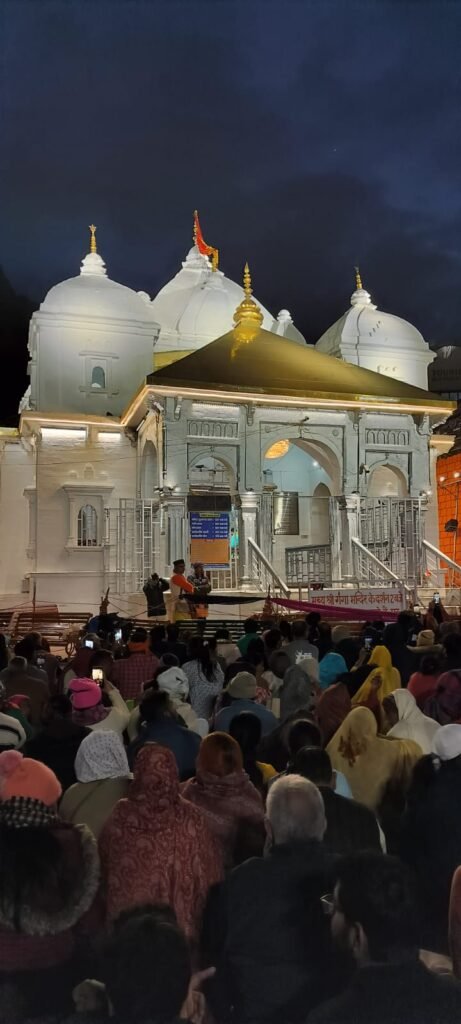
(395, 638)
(231, 803)
(445, 705)
(335, 703)
(299, 688)
(88, 708)
(430, 840)
(157, 847)
(407, 721)
(48, 883)
(331, 667)
(389, 678)
(171, 679)
(103, 774)
(371, 762)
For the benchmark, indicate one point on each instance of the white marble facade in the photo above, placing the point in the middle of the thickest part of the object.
(88, 499)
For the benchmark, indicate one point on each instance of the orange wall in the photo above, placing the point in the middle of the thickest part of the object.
(449, 504)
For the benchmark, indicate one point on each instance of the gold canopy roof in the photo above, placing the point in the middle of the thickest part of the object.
(267, 364)
(253, 363)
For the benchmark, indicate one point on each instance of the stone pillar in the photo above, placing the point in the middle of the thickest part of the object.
(335, 516)
(175, 524)
(350, 508)
(248, 527)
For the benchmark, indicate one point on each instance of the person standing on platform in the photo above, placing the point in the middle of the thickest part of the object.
(202, 585)
(180, 586)
(154, 589)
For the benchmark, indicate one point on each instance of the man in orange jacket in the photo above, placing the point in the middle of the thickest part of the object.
(179, 587)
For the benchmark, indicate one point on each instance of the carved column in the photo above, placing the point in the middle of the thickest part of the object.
(175, 531)
(248, 528)
(350, 527)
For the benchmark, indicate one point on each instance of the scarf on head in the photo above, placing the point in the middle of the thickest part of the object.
(101, 755)
(412, 724)
(444, 706)
(24, 812)
(332, 707)
(389, 676)
(370, 762)
(297, 692)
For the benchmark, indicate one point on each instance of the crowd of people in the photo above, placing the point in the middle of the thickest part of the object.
(262, 830)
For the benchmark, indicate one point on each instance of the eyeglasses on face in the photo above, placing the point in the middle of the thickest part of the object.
(328, 904)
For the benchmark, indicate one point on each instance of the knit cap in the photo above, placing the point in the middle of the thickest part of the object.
(84, 694)
(24, 777)
(425, 638)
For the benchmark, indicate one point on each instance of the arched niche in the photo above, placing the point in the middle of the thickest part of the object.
(211, 472)
(320, 515)
(149, 471)
(387, 481)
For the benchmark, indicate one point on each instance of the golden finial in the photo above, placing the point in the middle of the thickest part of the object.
(248, 317)
(194, 233)
(93, 238)
(358, 279)
(247, 281)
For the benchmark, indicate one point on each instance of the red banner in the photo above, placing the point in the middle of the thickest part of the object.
(334, 612)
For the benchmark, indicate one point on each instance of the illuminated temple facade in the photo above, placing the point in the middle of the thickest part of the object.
(200, 424)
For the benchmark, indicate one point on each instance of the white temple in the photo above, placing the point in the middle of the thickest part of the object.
(200, 424)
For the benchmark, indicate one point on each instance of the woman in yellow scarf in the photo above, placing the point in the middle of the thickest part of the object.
(383, 670)
(371, 762)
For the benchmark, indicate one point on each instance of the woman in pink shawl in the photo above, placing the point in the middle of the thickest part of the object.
(232, 804)
(156, 847)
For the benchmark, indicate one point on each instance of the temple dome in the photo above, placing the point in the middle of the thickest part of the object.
(378, 341)
(93, 294)
(198, 305)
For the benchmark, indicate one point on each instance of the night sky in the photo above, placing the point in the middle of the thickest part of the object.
(310, 135)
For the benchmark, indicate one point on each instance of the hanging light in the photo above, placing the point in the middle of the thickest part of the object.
(277, 450)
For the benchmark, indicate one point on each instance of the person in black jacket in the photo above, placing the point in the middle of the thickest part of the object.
(374, 923)
(269, 935)
(350, 825)
(430, 836)
(154, 589)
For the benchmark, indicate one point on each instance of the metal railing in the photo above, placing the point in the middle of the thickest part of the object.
(263, 573)
(369, 568)
(435, 569)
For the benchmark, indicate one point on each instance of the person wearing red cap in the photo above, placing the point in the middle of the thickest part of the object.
(48, 881)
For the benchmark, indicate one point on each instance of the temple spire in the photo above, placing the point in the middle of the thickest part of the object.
(248, 312)
(93, 247)
(358, 279)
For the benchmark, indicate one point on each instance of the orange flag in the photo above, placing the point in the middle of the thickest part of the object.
(206, 250)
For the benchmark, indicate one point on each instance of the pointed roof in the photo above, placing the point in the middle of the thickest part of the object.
(272, 366)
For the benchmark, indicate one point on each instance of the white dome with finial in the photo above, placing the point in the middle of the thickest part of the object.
(91, 344)
(93, 293)
(378, 341)
(198, 304)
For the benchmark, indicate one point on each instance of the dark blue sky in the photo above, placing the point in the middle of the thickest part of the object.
(310, 135)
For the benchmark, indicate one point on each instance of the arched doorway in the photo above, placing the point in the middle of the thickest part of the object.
(387, 482)
(298, 465)
(149, 471)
